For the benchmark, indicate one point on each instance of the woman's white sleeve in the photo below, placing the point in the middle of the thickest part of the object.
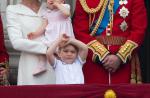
(16, 37)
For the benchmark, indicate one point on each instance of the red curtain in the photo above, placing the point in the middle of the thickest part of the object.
(75, 91)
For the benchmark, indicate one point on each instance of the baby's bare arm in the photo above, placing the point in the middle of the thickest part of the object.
(40, 31)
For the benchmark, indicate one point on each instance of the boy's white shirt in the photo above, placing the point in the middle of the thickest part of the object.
(69, 73)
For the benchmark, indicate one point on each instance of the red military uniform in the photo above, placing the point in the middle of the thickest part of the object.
(127, 33)
(3, 53)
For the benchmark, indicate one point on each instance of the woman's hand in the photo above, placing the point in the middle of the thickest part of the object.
(111, 62)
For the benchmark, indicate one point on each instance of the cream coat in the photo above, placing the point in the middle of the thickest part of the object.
(20, 21)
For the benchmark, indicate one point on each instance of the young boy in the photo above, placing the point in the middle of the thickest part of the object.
(72, 55)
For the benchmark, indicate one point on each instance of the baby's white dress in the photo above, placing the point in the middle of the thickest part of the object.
(57, 24)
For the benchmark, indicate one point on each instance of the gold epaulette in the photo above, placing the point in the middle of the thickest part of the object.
(98, 49)
(126, 50)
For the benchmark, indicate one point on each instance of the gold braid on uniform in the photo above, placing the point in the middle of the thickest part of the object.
(95, 46)
(91, 10)
(101, 6)
(98, 49)
(126, 50)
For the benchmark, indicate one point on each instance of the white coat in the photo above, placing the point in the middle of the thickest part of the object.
(21, 20)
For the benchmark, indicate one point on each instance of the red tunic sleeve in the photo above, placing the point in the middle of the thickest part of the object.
(3, 53)
(81, 24)
(138, 24)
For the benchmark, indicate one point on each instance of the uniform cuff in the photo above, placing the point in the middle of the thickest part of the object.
(98, 49)
(126, 50)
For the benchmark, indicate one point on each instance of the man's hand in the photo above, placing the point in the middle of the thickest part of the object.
(111, 62)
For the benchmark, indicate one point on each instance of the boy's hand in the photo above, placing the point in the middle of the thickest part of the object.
(63, 40)
(65, 37)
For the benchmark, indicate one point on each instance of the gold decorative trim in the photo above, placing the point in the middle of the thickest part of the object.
(99, 19)
(102, 5)
(91, 10)
(126, 50)
(110, 94)
(98, 49)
